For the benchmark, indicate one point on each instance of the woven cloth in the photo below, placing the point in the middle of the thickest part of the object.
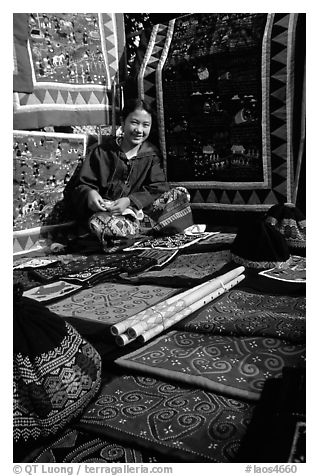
(55, 372)
(187, 270)
(236, 367)
(74, 58)
(106, 226)
(94, 269)
(171, 212)
(246, 313)
(76, 446)
(290, 222)
(192, 424)
(232, 143)
(108, 303)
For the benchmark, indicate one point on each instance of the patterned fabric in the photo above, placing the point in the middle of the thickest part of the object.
(248, 161)
(24, 278)
(76, 446)
(74, 58)
(293, 272)
(192, 424)
(55, 372)
(162, 257)
(171, 212)
(34, 262)
(109, 303)
(22, 74)
(246, 313)
(236, 367)
(186, 269)
(43, 163)
(52, 291)
(177, 241)
(106, 226)
(290, 222)
(213, 242)
(79, 263)
(95, 269)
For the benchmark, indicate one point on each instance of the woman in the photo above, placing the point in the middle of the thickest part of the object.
(123, 177)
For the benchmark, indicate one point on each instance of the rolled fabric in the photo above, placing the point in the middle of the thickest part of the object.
(123, 339)
(121, 327)
(156, 312)
(185, 300)
(150, 333)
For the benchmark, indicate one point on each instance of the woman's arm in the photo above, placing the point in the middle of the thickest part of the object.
(86, 195)
(153, 186)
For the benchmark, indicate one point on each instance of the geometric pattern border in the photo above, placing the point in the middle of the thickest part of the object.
(277, 79)
(56, 103)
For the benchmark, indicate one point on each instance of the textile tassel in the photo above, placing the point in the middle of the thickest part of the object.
(150, 333)
(155, 313)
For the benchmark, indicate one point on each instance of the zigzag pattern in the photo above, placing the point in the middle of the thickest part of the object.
(63, 97)
(149, 78)
(36, 110)
(25, 243)
(278, 106)
(111, 45)
(282, 39)
(114, 34)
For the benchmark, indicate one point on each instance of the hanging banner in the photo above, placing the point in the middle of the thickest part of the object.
(74, 59)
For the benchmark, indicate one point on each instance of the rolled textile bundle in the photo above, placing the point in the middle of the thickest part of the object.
(157, 310)
(150, 333)
(121, 327)
(187, 299)
(123, 339)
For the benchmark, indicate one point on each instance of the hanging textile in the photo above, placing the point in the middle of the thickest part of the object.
(74, 59)
(22, 74)
(231, 125)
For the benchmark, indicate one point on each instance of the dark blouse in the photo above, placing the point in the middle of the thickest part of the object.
(107, 170)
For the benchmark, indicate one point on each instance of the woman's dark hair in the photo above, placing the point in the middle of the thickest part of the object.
(133, 104)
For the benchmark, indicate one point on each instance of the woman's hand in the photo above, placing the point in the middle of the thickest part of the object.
(119, 206)
(95, 201)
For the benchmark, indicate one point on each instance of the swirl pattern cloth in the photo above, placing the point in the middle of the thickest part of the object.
(109, 303)
(246, 313)
(237, 367)
(76, 446)
(192, 424)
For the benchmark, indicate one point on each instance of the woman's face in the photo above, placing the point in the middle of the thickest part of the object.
(137, 127)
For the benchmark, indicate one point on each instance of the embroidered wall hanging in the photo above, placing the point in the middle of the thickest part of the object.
(74, 59)
(228, 128)
(43, 163)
